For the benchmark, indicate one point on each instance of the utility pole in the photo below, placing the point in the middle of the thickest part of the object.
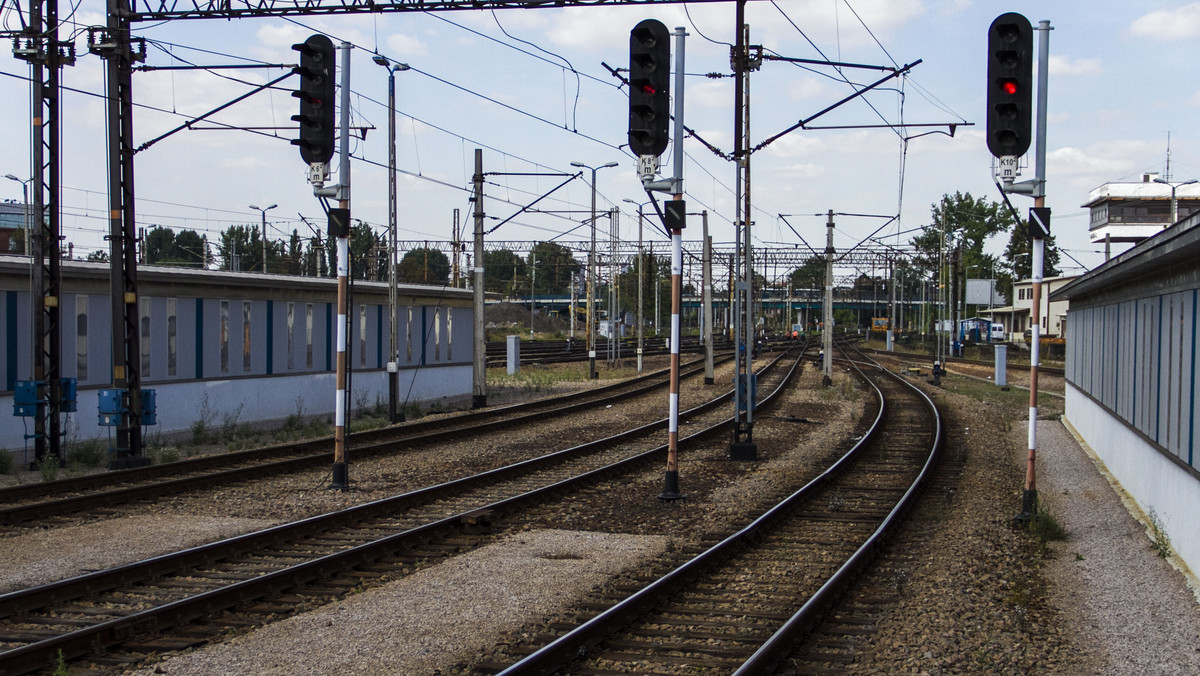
(743, 61)
(707, 309)
(263, 211)
(479, 374)
(827, 334)
(641, 274)
(591, 286)
(115, 45)
(393, 367)
(38, 45)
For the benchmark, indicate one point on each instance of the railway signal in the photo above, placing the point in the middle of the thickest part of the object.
(1009, 85)
(649, 88)
(316, 96)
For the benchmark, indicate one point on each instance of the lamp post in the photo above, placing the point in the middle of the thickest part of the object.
(264, 211)
(393, 368)
(591, 318)
(1172, 186)
(641, 276)
(25, 196)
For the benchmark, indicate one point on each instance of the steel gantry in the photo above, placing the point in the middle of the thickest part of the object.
(38, 44)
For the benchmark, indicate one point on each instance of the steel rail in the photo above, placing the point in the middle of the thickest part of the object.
(304, 455)
(568, 647)
(783, 641)
(85, 641)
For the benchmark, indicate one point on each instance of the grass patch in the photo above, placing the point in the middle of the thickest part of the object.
(1158, 536)
(1044, 527)
(7, 464)
(88, 454)
(48, 467)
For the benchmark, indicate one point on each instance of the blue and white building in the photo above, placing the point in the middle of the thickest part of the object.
(1132, 339)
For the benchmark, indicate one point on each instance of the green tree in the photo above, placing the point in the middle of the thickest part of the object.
(240, 248)
(502, 269)
(424, 266)
(556, 267)
(810, 275)
(160, 246)
(1018, 260)
(192, 249)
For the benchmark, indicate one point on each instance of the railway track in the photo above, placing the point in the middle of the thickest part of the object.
(40, 501)
(556, 351)
(742, 605)
(916, 356)
(185, 598)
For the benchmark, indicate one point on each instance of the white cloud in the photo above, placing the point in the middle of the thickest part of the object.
(1061, 65)
(805, 88)
(1182, 23)
(403, 46)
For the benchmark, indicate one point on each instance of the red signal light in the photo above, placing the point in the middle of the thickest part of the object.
(1009, 87)
(647, 89)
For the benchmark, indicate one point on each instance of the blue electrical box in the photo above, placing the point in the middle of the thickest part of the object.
(25, 398)
(67, 395)
(149, 407)
(112, 407)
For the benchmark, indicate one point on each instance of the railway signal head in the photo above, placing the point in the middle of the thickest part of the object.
(649, 88)
(1009, 85)
(316, 96)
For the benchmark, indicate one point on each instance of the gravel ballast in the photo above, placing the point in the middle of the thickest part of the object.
(433, 617)
(39, 557)
(979, 596)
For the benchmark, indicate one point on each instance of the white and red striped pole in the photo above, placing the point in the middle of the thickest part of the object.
(671, 487)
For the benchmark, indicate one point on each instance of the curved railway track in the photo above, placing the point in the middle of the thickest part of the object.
(742, 605)
(181, 599)
(20, 504)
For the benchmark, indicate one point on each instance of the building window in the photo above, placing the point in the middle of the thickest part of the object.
(144, 322)
(81, 335)
(308, 341)
(291, 336)
(362, 335)
(437, 335)
(224, 336)
(246, 335)
(408, 340)
(171, 344)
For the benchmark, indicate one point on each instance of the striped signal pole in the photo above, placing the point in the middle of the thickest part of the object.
(675, 217)
(341, 474)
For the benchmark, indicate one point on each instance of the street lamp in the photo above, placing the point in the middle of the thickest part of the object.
(641, 276)
(591, 319)
(1174, 204)
(25, 196)
(393, 367)
(264, 231)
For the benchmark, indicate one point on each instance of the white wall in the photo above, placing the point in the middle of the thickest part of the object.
(1155, 482)
(272, 398)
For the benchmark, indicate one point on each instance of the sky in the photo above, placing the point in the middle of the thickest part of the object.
(530, 88)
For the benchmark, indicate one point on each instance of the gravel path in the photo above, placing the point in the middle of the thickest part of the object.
(1130, 606)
